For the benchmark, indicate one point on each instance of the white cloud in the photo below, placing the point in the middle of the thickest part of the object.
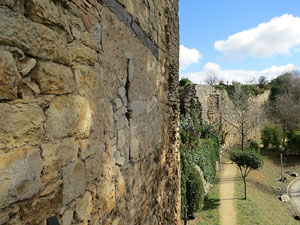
(278, 36)
(188, 56)
(237, 75)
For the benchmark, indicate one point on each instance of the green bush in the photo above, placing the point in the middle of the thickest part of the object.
(293, 144)
(194, 189)
(271, 135)
(254, 146)
(185, 82)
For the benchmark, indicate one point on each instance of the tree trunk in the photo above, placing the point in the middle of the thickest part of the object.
(245, 188)
(281, 164)
(242, 136)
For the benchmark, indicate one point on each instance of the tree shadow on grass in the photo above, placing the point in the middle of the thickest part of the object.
(263, 187)
(211, 203)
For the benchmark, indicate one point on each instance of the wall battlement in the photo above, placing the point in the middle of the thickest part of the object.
(89, 112)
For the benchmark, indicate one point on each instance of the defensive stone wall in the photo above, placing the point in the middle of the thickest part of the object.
(89, 112)
(216, 108)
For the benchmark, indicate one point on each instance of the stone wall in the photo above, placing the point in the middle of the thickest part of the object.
(217, 108)
(89, 112)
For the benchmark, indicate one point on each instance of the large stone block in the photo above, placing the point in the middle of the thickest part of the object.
(87, 80)
(33, 38)
(59, 154)
(53, 78)
(20, 172)
(67, 116)
(20, 123)
(82, 54)
(84, 207)
(9, 76)
(47, 12)
(107, 196)
(73, 181)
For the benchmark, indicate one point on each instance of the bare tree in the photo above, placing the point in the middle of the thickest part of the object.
(245, 113)
(211, 78)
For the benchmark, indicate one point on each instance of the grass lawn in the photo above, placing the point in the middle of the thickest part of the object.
(263, 189)
(210, 212)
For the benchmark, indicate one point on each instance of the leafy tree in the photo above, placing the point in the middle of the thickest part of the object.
(246, 161)
(262, 81)
(271, 135)
(284, 107)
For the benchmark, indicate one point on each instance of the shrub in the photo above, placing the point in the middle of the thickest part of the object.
(271, 135)
(194, 189)
(205, 155)
(185, 82)
(254, 146)
(293, 144)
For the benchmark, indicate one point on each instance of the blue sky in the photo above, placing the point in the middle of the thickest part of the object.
(238, 40)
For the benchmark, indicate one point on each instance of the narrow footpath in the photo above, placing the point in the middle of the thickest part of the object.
(227, 180)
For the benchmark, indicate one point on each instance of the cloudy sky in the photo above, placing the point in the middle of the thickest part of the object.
(239, 40)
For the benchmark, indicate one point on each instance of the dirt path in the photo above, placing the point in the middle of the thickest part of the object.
(227, 179)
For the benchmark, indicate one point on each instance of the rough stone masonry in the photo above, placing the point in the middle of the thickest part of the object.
(89, 112)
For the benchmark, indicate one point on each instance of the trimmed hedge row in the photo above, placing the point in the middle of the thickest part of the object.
(195, 151)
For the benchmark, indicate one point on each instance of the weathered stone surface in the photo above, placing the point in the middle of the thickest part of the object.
(67, 218)
(46, 12)
(93, 168)
(118, 103)
(26, 65)
(20, 172)
(120, 161)
(84, 207)
(20, 124)
(87, 80)
(82, 54)
(107, 196)
(53, 78)
(9, 76)
(59, 154)
(69, 115)
(122, 92)
(87, 148)
(121, 139)
(33, 38)
(28, 90)
(74, 181)
(15, 5)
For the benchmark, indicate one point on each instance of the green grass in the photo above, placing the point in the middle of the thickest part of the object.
(210, 212)
(263, 206)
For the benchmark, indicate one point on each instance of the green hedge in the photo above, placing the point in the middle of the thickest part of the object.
(196, 151)
(271, 136)
(205, 155)
(194, 189)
